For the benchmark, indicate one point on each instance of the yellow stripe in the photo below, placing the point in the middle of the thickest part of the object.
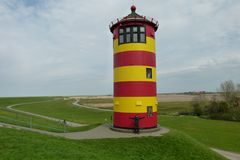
(133, 73)
(134, 104)
(148, 46)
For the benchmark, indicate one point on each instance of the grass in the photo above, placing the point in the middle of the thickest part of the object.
(96, 100)
(14, 100)
(214, 133)
(173, 108)
(173, 146)
(164, 108)
(64, 109)
(25, 120)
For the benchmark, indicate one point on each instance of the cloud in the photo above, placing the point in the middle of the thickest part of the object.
(62, 47)
(229, 59)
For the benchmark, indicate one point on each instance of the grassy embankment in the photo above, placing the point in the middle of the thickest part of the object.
(214, 133)
(173, 146)
(12, 117)
(64, 109)
(219, 134)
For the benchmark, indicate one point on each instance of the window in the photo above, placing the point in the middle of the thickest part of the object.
(120, 31)
(121, 39)
(135, 37)
(149, 73)
(128, 38)
(132, 34)
(149, 111)
(142, 29)
(142, 37)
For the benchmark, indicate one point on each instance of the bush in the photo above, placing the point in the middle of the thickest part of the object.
(227, 109)
(197, 109)
(216, 107)
(198, 105)
(185, 113)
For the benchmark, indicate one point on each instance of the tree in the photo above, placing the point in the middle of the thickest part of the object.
(199, 104)
(228, 91)
(238, 88)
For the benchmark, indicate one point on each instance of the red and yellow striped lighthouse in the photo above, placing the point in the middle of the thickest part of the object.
(134, 71)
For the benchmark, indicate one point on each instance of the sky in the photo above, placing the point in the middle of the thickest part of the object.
(64, 47)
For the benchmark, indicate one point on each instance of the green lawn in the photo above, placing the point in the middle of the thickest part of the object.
(96, 100)
(12, 117)
(14, 100)
(164, 108)
(64, 109)
(173, 146)
(214, 133)
(173, 108)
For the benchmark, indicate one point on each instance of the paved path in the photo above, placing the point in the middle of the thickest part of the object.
(102, 131)
(72, 124)
(227, 154)
(76, 103)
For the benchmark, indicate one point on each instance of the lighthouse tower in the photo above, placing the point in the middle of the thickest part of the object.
(134, 71)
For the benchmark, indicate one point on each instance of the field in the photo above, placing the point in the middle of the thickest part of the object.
(173, 146)
(200, 129)
(164, 107)
(212, 133)
(64, 109)
(44, 124)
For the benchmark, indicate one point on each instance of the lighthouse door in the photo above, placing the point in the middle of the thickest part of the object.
(149, 111)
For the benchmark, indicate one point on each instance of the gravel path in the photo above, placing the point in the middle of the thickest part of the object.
(72, 124)
(76, 103)
(227, 154)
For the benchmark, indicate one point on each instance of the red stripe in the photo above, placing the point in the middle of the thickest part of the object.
(150, 32)
(130, 58)
(124, 120)
(135, 89)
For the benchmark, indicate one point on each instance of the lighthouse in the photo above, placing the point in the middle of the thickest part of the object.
(135, 89)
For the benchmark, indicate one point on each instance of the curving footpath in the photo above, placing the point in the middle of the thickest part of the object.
(102, 131)
(76, 103)
(72, 124)
(227, 154)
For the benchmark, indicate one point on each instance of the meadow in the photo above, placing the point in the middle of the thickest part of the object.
(25, 120)
(173, 146)
(212, 133)
(64, 109)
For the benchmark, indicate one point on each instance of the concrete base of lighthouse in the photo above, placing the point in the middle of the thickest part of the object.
(141, 130)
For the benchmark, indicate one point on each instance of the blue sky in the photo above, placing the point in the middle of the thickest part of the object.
(64, 47)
